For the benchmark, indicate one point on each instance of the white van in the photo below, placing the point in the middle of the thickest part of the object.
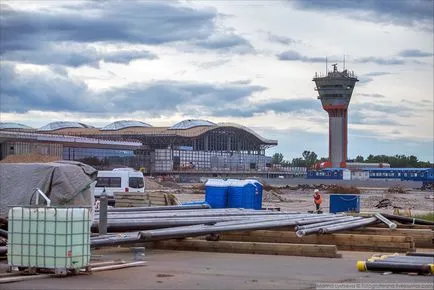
(119, 180)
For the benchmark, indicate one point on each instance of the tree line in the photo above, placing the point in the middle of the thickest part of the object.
(310, 158)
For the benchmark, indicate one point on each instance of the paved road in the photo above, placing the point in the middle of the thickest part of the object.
(195, 270)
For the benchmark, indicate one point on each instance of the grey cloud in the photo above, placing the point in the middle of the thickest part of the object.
(241, 82)
(359, 118)
(70, 54)
(414, 53)
(212, 64)
(29, 34)
(377, 74)
(369, 77)
(144, 22)
(127, 56)
(277, 106)
(421, 104)
(281, 39)
(292, 55)
(226, 42)
(374, 95)
(52, 92)
(418, 14)
(380, 60)
(44, 91)
(398, 110)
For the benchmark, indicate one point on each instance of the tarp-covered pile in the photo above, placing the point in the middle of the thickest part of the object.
(64, 182)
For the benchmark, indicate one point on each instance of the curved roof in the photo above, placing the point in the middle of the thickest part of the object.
(125, 124)
(10, 125)
(191, 123)
(62, 124)
(238, 126)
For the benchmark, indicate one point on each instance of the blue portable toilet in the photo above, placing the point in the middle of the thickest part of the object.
(258, 193)
(216, 193)
(344, 203)
(241, 194)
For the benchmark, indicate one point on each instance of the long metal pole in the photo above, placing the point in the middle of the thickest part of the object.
(120, 225)
(390, 224)
(317, 227)
(394, 267)
(159, 208)
(102, 226)
(204, 230)
(407, 220)
(421, 254)
(337, 220)
(347, 226)
(117, 240)
(187, 215)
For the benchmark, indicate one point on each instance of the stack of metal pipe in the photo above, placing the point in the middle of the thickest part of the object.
(152, 224)
(145, 220)
(422, 264)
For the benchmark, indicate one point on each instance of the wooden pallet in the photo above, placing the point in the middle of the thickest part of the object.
(149, 198)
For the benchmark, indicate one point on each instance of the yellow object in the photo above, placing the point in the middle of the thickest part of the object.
(361, 266)
(431, 268)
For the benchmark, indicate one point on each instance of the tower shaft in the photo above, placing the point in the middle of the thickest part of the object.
(335, 90)
(338, 128)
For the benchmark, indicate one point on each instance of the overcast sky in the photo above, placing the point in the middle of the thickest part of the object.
(248, 62)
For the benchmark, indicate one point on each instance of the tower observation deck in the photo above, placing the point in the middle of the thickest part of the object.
(335, 90)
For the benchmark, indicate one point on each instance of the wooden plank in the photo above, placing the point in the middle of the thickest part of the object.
(157, 203)
(423, 238)
(157, 195)
(342, 241)
(405, 226)
(334, 237)
(162, 198)
(329, 251)
(374, 246)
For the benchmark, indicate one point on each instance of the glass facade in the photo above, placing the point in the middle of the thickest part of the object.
(62, 125)
(125, 124)
(187, 124)
(102, 158)
(7, 125)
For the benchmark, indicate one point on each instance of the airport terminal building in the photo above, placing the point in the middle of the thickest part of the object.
(188, 146)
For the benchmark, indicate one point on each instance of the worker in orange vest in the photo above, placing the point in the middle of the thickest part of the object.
(317, 199)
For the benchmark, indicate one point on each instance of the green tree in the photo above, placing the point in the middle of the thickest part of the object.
(359, 158)
(397, 161)
(298, 162)
(286, 163)
(310, 158)
(277, 158)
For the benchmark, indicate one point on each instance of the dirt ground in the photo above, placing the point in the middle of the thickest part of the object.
(197, 270)
(299, 200)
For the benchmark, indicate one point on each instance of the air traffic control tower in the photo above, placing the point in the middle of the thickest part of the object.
(335, 90)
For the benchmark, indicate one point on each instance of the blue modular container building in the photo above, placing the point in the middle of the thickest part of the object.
(344, 203)
(216, 193)
(411, 174)
(330, 173)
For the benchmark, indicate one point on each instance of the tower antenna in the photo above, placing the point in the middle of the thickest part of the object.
(326, 66)
(344, 61)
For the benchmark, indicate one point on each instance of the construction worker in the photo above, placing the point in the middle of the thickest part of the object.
(317, 199)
